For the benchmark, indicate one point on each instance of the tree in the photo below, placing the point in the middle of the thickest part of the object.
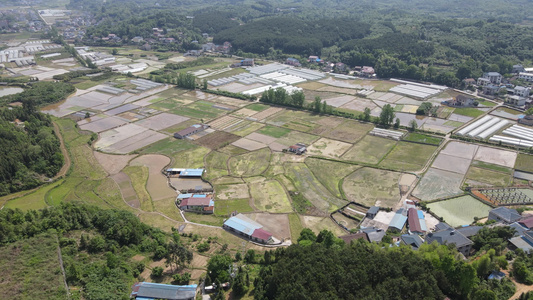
(413, 125)
(250, 256)
(114, 51)
(387, 115)
(397, 123)
(177, 255)
(317, 104)
(204, 84)
(218, 267)
(307, 235)
(366, 114)
(157, 272)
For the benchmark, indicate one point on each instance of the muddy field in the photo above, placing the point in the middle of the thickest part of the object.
(248, 144)
(460, 150)
(157, 185)
(162, 121)
(217, 139)
(451, 163)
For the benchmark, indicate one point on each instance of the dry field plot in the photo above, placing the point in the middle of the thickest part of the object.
(112, 164)
(216, 139)
(245, 112)
(496, 156)
(245, 127)
(230, 101)
(121, 109)
(248, 144)
(339, 101)
(349, 131)
(369, 187)
(261, 138)
(350, 84)
(103, 124)
(338, 90)
(451, 163)
(370, 150)
(460, 150)
(408, 156)
(294, 137)
(277, 224)
(267, 113)
(318, 224)
(232, 191)
(161, 121)
(359, 105)
(329, 148)
(437, 184)
(157, 185)
(126, 189)
(125, 139)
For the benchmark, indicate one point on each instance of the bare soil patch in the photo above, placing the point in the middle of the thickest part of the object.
(277, 224)
(267, 113)
(258, 137)
(460, 149)
(112, 164)
(496, 156)
(452, 163)
(329, 148)
(248, 144)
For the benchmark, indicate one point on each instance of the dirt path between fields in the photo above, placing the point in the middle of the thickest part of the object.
(66, 166)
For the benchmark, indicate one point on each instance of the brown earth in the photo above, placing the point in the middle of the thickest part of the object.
(217, 139)
(112, 164)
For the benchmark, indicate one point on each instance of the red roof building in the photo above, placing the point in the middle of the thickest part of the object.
(527, 221)
(261, 235)
(198, 204)
(414, 222)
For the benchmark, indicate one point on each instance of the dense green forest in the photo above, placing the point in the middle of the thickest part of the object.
(323, 267)
(97, 245)
(29, 150)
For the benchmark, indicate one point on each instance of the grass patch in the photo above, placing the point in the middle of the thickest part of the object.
(215, 163)
(204, 219)
(524, 162)
(422, 138)
(274, 131)
(469, 112)
(300, 203)
(35, 200)
(226, 207)
(250, 164)
(139, 176)
(384, 86)
(408, 156)
(84, 85)
(295, 226)
(370, 150)
(330, 173)
(490, 177)
(270, 196)
(369, 187)
(109, 192)
(398, 107)
(30, 269)
(190, 159)
(453, 123)
(199, 110)
(510, 111)
(349, 131)
(488, 166)
(486, 103)
(257, 106)
(181, 126)
(159, 221)
(311, 189)
(460, 211)
(233, 150)
(294, 137)
(168, 208)
(231, 191)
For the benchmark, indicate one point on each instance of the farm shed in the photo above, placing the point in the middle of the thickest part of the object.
(190, 131)
(152, 291)
(469, 231)
(374, 234)
(185, 172)
(519, 229)
(417, 223)
(372, 212)
(451, 236)
(398, 221)
(298, 148)
(523, 242)
(248, 228)
(442, 226)
(504, 214)
(527, 221)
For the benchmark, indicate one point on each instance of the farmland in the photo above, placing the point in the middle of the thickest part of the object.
(460, 211)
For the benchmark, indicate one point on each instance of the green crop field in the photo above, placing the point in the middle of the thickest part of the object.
(422, 138)
(369, 186)
(369, 150)
(468, 111)
(245, 128)
(524, 162)
(190, 159)
(139, 176)
(31, 269)
(294, 137)
(488, 166)
(168, 208)
(274, 131)
(204, 219)
(330, 173)
(270, 196)
(460, 211)
(35, 200)
(169, 146)
(408, 156)
(216, 160)
(489, 177)
(250, 164)
(257, 106)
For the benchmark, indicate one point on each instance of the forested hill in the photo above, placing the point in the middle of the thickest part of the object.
(292, 35)
(29, 150)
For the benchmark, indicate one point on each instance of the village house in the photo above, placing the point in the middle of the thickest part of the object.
(521, 91)
(523, 242)
(493, 77)
(504, 214)
(248, 228)
(367, 71)
(137, 39)
(398, 220)
(372, 212)
(491, 89)
(203, 205)
(460, 101)
(518, 69)
(298, 148)
(247, 62)
(515, 100)
(469, 81)
(293, 62)
(416, 221)
(527, 120)
(451, 236)
(413, 240)
(525, 76)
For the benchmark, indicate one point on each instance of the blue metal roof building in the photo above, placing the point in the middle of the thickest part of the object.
(152, 291)
(242, 224)
(398, 221)
(184, 196)
(192, 173)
